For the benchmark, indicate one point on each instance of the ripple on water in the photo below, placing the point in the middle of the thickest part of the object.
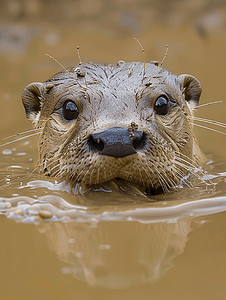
(54, 208)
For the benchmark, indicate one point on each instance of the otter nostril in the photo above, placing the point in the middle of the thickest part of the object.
(96, 144)
(139, 142)
(117, 141)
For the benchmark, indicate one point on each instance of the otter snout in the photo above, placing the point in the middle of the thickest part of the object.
(117, 141)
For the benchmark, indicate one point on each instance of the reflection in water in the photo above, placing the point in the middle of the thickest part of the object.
(113, 247)
(118, 255)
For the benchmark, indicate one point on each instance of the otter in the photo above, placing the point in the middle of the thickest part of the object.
(129, 121)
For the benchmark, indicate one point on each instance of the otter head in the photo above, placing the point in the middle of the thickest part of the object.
(100, 122)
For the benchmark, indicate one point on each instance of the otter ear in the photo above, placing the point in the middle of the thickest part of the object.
(32, 97)
(191, 88)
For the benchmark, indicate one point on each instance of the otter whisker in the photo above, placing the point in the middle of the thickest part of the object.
(171, 182)
(213, 122)
(182, 177)
(162, 181)
(188, 159)
(79, 57)
(69, 173)
(209, 103)
(33, 171)
(20, 139)
(165, 55)
(164, 184)
(193, 173)
(167, 180)
(57, 172)
(68, 72)
(62, 173)
(189, 164)
(49, 164)
(208, 128)
(142, 49)
(20, 133)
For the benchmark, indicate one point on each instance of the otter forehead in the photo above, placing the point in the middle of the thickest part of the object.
(121, 75)
(112, 88)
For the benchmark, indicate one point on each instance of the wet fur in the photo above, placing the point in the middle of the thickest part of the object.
(109, 96)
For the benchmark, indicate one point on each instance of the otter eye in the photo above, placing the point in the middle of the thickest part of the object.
(161, 105)
(69, 111)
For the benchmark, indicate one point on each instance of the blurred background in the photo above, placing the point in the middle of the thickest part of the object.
(194, 30)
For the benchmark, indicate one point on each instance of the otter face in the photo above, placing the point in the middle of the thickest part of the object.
(100, 122)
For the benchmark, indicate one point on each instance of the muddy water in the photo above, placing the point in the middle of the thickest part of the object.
(113, 243)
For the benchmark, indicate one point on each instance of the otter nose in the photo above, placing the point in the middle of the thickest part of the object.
(117, 141)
